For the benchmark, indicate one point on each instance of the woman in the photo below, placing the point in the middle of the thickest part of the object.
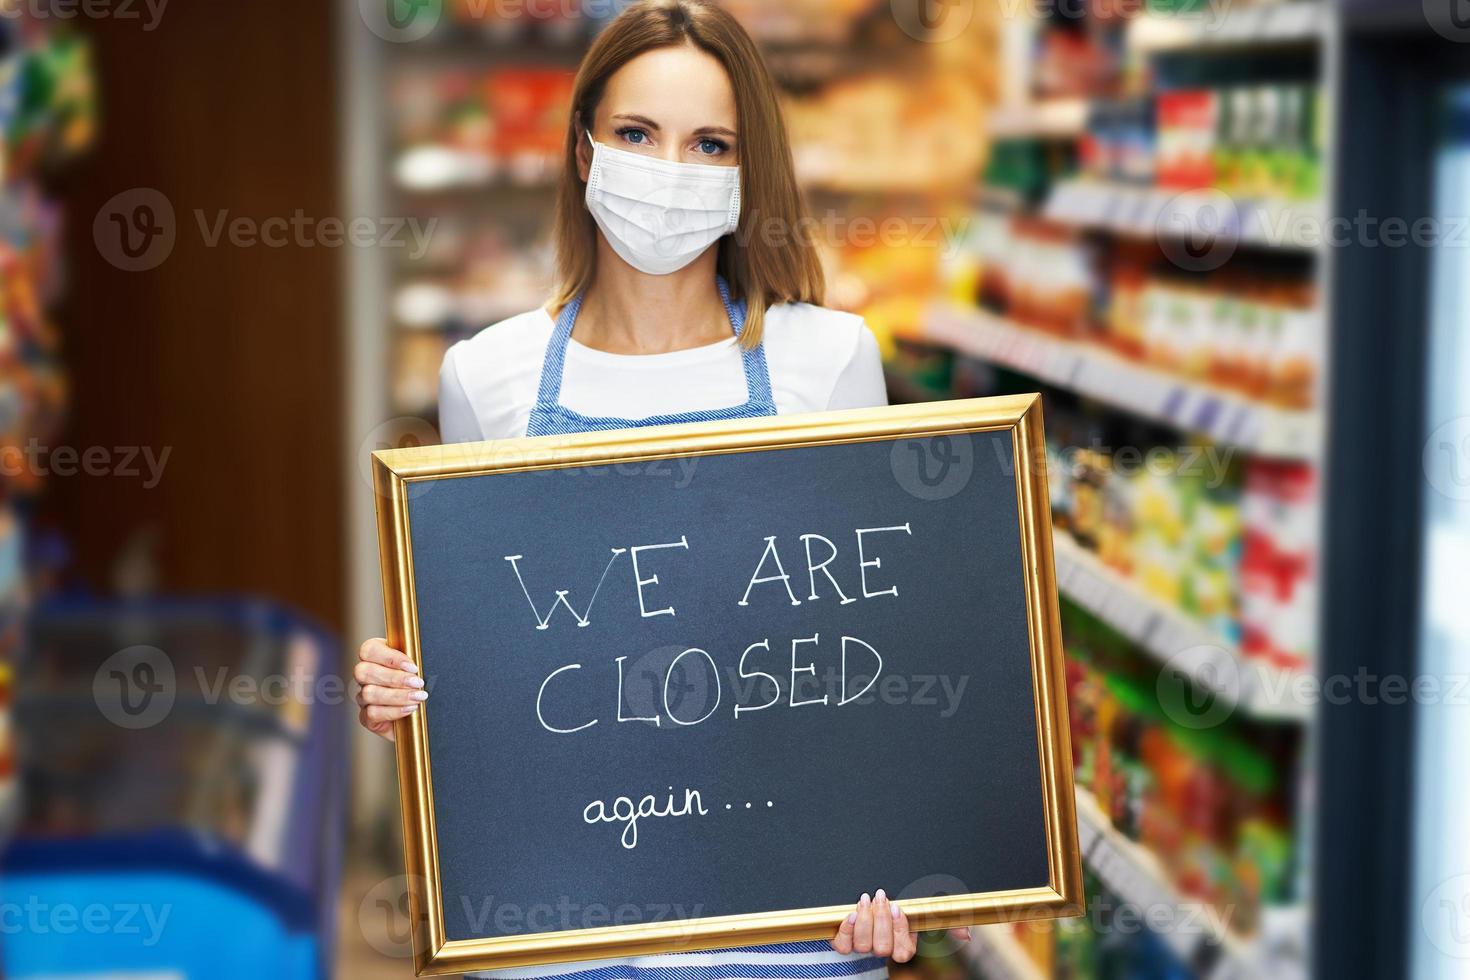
(689, 290)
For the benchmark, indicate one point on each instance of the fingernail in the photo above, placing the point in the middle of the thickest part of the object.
(894, 910)
(420, 695)
(415, 682)
(851, 918)
(410, 666)
(409, 709)
(880, 897)
(863, 902)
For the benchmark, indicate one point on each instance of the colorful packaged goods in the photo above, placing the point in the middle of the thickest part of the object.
(1225, 538)
(1211, 803)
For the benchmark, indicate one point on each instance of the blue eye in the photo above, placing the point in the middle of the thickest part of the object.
(710, 147)
(633, 135)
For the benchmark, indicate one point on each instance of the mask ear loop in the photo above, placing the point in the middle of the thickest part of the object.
(594, 170)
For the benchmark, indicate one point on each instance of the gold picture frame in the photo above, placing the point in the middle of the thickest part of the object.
(397, 471)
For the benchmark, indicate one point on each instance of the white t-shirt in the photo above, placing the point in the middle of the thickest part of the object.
(818, 359)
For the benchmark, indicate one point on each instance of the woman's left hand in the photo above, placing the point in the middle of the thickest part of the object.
(880, 927)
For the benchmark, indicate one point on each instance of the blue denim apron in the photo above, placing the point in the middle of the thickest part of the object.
(550, 417)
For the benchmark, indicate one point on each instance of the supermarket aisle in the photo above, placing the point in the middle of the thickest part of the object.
(1126, 207)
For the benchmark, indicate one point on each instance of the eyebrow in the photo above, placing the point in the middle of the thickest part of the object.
(645, 121)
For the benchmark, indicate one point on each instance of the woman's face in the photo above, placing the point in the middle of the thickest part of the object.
(674, 103)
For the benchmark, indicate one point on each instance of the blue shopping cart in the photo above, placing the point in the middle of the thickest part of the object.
(184, 779)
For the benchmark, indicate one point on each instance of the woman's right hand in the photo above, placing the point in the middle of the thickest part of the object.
(390, 687)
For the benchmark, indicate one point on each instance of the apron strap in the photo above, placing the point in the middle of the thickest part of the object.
(556, 352)
(757, 376)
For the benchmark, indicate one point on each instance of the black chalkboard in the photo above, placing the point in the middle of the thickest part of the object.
(561, 611)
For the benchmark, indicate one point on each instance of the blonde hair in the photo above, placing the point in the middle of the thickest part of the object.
(762, 269)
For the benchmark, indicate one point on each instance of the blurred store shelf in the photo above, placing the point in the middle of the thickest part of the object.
(429, 169)
(1194, 214)
(1201, 937)
(1089, 370)
(1174, 638)
(10, 801)
(1050, 118)
(1234, 28)
(994, 953)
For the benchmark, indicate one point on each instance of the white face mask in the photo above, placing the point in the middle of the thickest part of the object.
(660, 216)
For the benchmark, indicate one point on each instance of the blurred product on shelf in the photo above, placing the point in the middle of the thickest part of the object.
(1022, 170)
(1105, 942)
(465, 128)
(1278, 567)
(1077, 59)
(1249, 329)
(1212, 804)
(488, 279)
(47, 113)
(1119, 141)
(875, 133)
(416, 360)
(1249, 141)
(1224, 537)
(882, 261)
(504, 23)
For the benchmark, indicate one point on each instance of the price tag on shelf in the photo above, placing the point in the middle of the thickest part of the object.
(1293, 20)
(1152, 211)
(1206, 413)
(1087, 834)
(1171, 407)
(1061, 205)
(1127, 202)
(1243, 24)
